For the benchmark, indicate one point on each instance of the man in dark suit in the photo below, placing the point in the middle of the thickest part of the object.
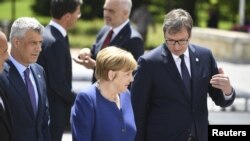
(5, 118)
(116, 16)
(26, 93)
(56, 60)
(169, 96)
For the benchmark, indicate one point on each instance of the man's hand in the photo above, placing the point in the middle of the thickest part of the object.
(222, 82)
(84, 58)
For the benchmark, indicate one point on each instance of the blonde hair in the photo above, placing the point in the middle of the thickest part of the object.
(115, 59)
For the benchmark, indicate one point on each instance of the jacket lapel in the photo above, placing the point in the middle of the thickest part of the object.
(38, 80)
(195, 68)
(118, 40)
(172, 70)
(99, 42)
(4, 113)
(19, 85)
(121, 36)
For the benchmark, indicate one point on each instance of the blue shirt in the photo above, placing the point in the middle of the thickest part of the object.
(94, 118)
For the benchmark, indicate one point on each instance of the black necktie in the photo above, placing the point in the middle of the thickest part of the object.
(31, 89)
(108, 39)
(187, 82)
(67, 39)
(185, 75)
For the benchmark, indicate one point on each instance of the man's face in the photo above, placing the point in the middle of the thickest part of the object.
(113, 13)
(177, 43)
(28, 48)
(3, 51)
(73, 17)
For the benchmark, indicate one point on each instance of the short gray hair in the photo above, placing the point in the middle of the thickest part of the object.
(24, 24)
(126, 4)
(177, 19)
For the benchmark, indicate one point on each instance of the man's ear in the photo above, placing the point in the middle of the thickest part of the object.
(66, 17)
(16, 42)
(125, 14)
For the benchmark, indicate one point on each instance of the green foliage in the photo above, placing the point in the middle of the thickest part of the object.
(42, 7)
(155, 37)
(92, 9)
(83, 35)
(22, 8)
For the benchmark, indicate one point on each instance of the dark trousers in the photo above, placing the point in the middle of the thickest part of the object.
(59, 118)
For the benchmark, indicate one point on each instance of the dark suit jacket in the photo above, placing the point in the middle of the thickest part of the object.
(5, 119)
(25, 125)
(128, 39)
(163, 110)
(56, 60)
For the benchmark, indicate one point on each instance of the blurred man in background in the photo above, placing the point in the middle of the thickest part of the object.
(117, 32)
(5, 119)
(56, 60)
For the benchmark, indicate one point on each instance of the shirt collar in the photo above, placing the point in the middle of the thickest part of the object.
(20, 68)
(59, 27)
(186, 54)
(119, 28)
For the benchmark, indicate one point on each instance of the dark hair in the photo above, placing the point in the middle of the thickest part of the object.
(60, 7)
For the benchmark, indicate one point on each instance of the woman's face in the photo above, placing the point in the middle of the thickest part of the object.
(122, 79)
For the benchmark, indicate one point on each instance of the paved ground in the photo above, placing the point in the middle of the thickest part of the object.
(239, 77)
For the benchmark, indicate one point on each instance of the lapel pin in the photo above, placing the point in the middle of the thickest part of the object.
(197, 59)
(39, 76)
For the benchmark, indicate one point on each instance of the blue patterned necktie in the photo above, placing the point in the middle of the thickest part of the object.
(30, 89)
(185, 75)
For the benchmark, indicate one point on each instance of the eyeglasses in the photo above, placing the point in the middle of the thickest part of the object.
(180, 42)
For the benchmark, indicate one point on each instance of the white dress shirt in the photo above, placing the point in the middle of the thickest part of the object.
(177, 61)
(1, 103)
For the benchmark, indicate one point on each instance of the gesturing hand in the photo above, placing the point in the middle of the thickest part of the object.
(221, 81)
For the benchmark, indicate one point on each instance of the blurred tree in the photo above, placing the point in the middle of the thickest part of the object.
(138, 3)
(190, 6)
(94, 8)
(213, 16)
(90, 8)
(42, 7)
